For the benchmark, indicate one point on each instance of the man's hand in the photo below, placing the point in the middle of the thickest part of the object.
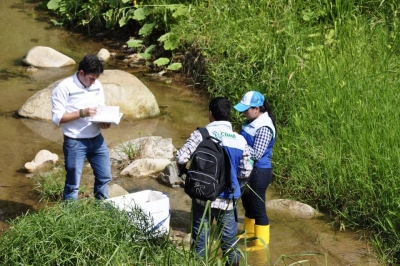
(90, 111)
(104, 125)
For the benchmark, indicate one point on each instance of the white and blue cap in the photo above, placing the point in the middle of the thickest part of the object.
(250, 99)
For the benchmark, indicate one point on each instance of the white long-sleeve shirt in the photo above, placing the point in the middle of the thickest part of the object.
(70, 96)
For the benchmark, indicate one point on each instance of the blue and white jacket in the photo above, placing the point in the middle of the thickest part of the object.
(249, 131)
(234, 144)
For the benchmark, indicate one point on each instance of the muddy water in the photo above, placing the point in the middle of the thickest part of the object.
(21, 28)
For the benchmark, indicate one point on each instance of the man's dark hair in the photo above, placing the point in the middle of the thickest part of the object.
(220, 107)
(91, 64)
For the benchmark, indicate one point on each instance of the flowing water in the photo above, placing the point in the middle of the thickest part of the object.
(22, 27)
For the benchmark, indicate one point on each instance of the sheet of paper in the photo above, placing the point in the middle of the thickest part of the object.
(107, 114)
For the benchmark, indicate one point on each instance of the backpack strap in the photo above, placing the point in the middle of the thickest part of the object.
(204, 132)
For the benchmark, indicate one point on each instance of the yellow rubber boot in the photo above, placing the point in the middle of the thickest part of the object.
(262, 234)
(248, 226)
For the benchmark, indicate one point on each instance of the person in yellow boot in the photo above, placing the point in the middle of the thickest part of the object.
(248, 226)
(260, 134)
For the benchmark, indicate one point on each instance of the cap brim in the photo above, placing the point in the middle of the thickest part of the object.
(241, 107)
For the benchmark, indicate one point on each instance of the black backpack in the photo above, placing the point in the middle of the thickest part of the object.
(209, 171)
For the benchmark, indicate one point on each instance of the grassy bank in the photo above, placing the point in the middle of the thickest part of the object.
(330, 70)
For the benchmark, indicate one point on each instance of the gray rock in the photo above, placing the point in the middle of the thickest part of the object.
(294, 208)
(42, 56)
(40, 160)
(170, 176)
(144, 167)
(116, 190)
(153, 147)
(103, 55)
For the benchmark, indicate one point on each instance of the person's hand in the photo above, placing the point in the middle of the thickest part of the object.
(104, 125)
(90, 111)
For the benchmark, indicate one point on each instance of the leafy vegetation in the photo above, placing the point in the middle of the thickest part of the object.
(330, 70)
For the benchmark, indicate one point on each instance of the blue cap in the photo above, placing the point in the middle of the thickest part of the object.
(250, 99)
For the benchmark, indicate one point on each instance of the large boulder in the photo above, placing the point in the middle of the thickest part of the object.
(120, 88)
(42, 56)
(146, 155)
(153, 147)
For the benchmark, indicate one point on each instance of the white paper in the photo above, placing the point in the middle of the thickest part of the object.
(107, 114)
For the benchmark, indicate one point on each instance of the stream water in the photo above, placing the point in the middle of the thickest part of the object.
(22, 27)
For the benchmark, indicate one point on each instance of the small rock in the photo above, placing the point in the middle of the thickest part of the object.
(41, 158)
(295, 208)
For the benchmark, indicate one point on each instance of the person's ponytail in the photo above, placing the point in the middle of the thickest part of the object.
(267, 108)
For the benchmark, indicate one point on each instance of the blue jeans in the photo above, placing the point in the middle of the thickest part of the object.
(96, 151)
(254, 203)
(227, 229)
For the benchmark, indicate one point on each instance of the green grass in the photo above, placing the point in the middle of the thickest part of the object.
(85, 233)
(50, 185)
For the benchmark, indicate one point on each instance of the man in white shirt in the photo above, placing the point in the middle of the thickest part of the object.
(74, 100)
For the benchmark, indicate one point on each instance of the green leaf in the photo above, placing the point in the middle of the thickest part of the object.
(174, 66)
(141, 13)
(170, 41)
(180, 11)
(56, 23)
(162, 61)
(53, 4)
(170, 45)
(134, 43)
(122, 22)
(307, 15)
(146, 56)
(150, 48)
(330, 34)
(147, 29)
(164, 37)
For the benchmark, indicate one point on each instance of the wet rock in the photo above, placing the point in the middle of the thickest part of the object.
(31, 69)
(40, 160)
(154, 147)
(295, 208)
(170, 176)
(103, 55)
(116, 190)
(42, 56)
(144, 167)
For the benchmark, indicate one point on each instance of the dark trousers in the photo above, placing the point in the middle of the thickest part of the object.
(254, 201)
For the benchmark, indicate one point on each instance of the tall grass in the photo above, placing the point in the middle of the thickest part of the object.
(50, 185)
(330, 70)
(86, 233)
